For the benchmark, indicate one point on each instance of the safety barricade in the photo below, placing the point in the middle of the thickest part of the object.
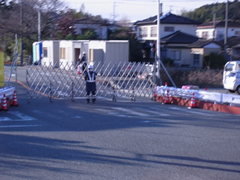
(7, 98)
(202, 99)
(121, 79)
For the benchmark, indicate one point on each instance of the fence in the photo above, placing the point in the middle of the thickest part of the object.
(221, 98)
(113, 80)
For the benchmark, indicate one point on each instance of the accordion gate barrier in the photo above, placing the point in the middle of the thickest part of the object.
(114, 80)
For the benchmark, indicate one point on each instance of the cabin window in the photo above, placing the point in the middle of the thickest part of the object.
(45, 52)
(63, 53)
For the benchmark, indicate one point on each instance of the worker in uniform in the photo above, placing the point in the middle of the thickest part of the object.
(90, 78)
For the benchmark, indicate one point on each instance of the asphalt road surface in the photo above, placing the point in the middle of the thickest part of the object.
(123, 140)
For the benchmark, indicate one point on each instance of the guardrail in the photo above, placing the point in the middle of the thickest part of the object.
(8, 91)
(220, 98)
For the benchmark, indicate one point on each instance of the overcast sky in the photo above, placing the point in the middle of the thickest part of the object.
(135, 9)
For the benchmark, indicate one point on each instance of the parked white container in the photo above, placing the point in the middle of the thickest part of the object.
(50, 53)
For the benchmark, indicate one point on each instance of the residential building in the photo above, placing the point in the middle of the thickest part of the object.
(99, 25)
(201, 48)
(216, 30)
(147, 29)
(176, 33)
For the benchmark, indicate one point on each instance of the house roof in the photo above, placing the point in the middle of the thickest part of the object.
(168, 18)
(201, 43)
(92, 20)
(210, 24)
(231, 41)
(179, 37)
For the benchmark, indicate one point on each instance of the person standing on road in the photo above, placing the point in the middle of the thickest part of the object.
(83, 62)
(90, 78)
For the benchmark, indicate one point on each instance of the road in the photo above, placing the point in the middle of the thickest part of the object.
(121, 140)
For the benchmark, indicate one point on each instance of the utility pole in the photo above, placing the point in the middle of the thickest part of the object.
(214, 21)
(158, 55)
(21, 35)
(114, 15)
(226, 31)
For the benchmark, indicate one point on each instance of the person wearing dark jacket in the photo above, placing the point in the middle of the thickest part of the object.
(90, 78)
(83, 62)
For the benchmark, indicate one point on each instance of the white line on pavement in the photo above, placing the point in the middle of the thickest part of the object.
(16, 126)
(130, 111)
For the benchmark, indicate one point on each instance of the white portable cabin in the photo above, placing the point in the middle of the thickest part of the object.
(71, 51)
(66, 53)
(109, 51)
(50, 53)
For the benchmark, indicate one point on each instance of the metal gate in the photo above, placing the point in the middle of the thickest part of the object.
(113, 80)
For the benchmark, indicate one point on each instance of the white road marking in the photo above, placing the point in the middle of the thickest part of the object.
(153, 112)
(16, 126)
(5, 119)
(22, 116)
(190, 111)
(76, 117)
(130, 111)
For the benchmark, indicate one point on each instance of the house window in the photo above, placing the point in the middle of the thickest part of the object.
(196, 59)
(204, 34)
(143, 31)
(169, 29)
(45, 52)
(213, 33)
(153, 31)
(175, 55)
(237, 33)
(63, 53)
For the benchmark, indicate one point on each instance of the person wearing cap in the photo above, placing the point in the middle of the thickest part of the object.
(83, 62)
(90, 78)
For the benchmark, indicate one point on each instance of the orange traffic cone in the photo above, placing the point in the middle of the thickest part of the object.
(4, 103)
(15, 103)
(167, 101)
(193, 102)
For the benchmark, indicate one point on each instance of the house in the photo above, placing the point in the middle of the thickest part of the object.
(233, 47)
(99, 25)
(201, 48)
(175, 47)
(216, 30)
(147, 29)
(176, 33)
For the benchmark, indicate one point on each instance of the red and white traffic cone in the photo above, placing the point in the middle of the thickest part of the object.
(193, 102)
(15, 102)
(4, 103)
(166, 100)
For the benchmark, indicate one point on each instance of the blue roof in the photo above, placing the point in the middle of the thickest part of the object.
(168, 18)
(179, 37)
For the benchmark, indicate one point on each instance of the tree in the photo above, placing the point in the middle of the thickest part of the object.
(205, 13)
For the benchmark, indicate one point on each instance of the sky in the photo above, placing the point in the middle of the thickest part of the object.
(136, 9)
